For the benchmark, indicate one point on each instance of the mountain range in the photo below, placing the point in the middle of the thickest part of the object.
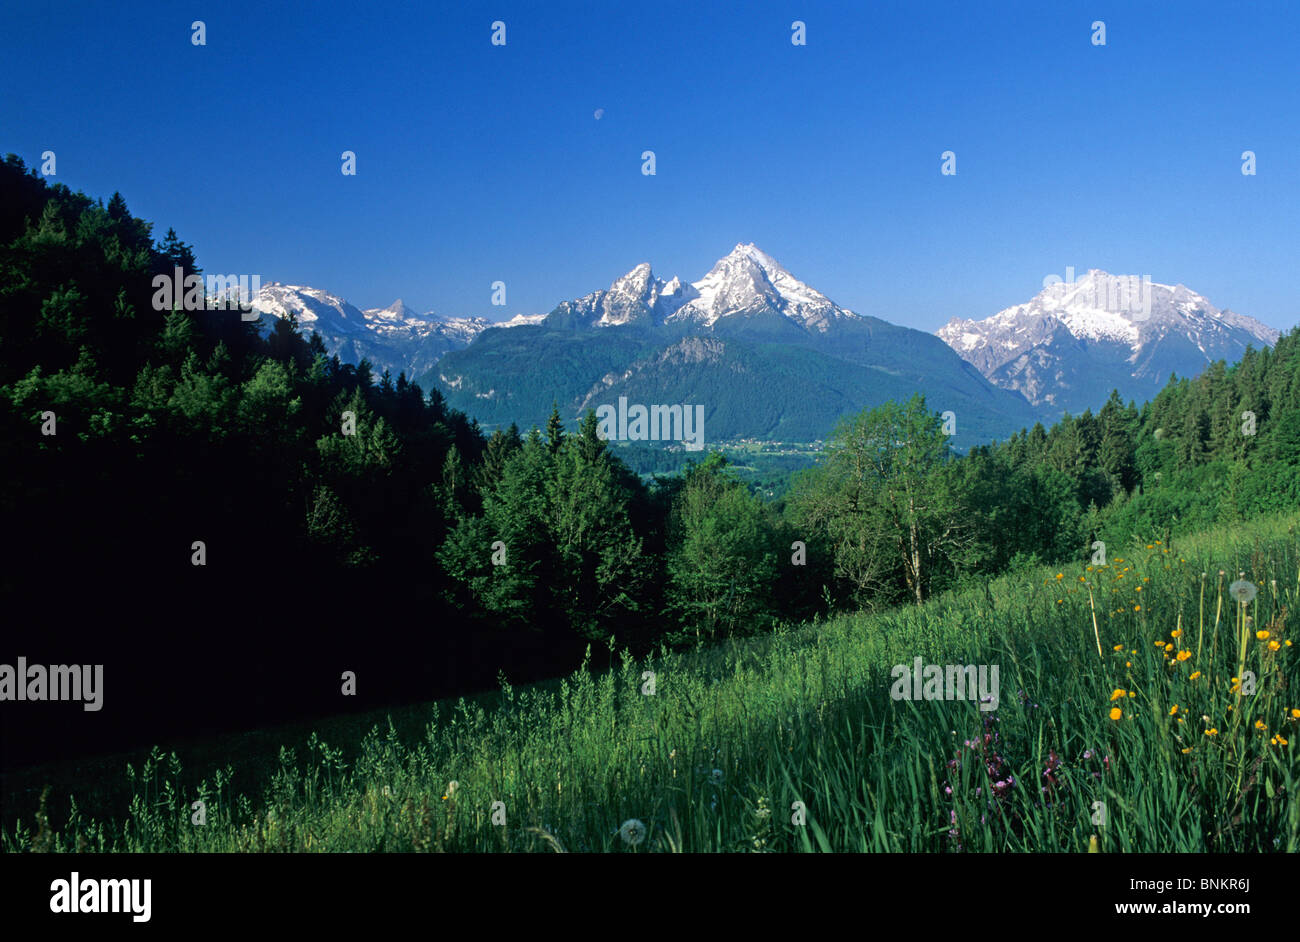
(1074, 341)
(772, 358)
(768, 356)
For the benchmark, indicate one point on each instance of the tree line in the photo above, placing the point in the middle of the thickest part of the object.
(356, 522)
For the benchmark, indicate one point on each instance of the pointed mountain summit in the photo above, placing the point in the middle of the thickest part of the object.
(744, 283)
(397, 311)
(748, 281)
(767, 356)
(1074, 341)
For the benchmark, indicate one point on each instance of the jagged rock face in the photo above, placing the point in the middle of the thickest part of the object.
(1072, 343)
(746, 282)
(394, 338)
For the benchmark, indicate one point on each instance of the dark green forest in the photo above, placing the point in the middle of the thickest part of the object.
(429, 557)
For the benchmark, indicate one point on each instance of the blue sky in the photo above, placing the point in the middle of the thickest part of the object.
(478, 163)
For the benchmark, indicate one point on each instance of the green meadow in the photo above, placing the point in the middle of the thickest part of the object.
(1142, 708)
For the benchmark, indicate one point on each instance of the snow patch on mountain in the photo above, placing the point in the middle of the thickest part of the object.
(1102, 329)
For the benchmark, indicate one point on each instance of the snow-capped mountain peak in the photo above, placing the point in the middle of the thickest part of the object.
(746, 281)
(1116, 331)
(749, 281)
(397, 311)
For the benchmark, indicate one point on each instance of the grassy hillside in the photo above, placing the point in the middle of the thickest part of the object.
(1118, 685)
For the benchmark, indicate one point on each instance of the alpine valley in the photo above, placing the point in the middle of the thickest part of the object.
(772, 359)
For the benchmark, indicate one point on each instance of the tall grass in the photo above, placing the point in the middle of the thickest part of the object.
(791, 741)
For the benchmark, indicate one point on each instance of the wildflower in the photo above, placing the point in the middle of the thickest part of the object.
(1262, 634)
(1119, 692)
(1173, 711)
(1184, 655)
(1132, 693)
(1128, 663)
(1212, 731)
(632, 832)
(1116, 713)
(1137, 608)
(1118, 647)
(1168, 648)
(1138, 589)
(1187, 750)
(1176, 633)
(1274, 646)
(1060, 575)
(1242, 591)
(1194, 675)
(1260, 724)
(1279, 741)
(1295, 714)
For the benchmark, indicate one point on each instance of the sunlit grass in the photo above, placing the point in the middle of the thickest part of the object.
(1125, 713)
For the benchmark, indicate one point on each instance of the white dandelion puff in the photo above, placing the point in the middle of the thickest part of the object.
(632, 832)
(1243, 591)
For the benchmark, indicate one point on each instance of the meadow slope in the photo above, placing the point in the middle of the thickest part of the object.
(1121, 716)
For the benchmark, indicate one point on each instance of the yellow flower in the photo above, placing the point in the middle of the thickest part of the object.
(1060, 575)
(1187, 750)
(1132, 693)
(1119, 692)
(1212, 731)
(1137, 608)
(1280, 741)
(1184, 655)
(1128, 663)
(1116, 713)
(1138, 589)
(1273, 646)
(1169, 647)
(1176, 633)
(1173, 710)
(1118, 647)
(1194, 675)
(1260, 724)
(1295, 714)
(1262, 634)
